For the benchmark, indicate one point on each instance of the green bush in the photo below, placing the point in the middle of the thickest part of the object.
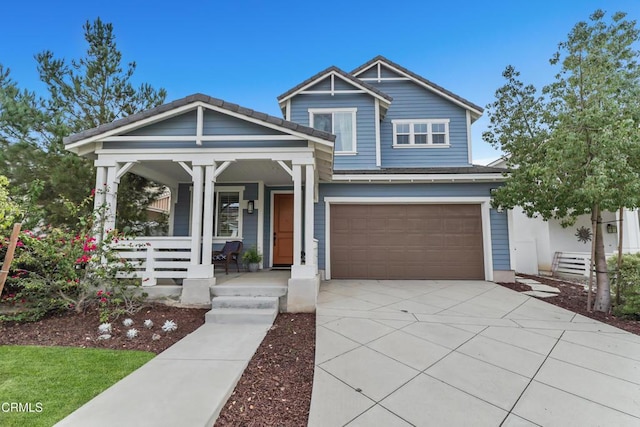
(627, 280)
(62, 269)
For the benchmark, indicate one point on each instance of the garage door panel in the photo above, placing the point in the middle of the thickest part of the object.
(407, 241)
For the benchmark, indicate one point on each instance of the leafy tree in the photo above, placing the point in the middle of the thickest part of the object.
(82, 94)
(573, 148)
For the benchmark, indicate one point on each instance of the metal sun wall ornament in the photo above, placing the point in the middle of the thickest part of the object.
(583, 234)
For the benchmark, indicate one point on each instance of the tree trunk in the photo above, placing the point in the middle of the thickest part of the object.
(619, 272)
(603, 291)
(592, 258)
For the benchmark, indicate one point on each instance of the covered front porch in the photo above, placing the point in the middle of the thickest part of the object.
(225, 167)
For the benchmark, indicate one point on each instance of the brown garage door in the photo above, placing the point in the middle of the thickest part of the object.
(406, 242)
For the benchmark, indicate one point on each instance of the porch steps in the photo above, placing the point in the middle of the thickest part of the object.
(249, 290)
(243, 309)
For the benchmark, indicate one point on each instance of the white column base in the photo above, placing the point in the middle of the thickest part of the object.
(303, 271)
(196, 292)
(200, 271)
(148, 279)
(302, 294)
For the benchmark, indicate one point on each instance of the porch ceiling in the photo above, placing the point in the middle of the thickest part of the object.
(170, 173)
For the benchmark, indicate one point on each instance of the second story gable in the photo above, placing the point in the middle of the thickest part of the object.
(385, 116)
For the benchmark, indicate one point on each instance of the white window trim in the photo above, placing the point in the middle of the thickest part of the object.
(353, 112)
(429, 143)
(241, 207)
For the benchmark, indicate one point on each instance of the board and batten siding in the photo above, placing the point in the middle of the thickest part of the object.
(411, 101)
(498, 221)
(365, 127)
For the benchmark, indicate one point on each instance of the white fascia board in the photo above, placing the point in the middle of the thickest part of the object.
(160, 138)
(189, 107)
(332, 73)
(469, 152)
(483, 177)
(132, 126)
(426, 86)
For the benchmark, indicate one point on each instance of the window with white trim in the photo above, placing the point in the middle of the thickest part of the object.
(339, 121)
(421, 133)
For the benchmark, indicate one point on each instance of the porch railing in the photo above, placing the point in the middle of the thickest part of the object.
(155, 258)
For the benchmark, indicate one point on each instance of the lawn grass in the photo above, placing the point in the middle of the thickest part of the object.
(61, 379)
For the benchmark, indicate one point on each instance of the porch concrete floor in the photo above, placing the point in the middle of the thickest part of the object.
(460, 353)
(259, 278)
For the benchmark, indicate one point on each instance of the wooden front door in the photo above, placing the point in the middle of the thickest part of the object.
(282, 229)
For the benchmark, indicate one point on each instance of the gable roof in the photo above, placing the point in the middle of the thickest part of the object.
(89, 135)
(475, 109)
(373, 91)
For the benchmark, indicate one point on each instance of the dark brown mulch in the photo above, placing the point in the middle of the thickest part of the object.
(573, 297)
(275, 389)
(81, 330)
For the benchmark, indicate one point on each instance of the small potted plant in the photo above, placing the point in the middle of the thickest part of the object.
(252, 258)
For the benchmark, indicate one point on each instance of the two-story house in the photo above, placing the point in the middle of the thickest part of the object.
(368, 176)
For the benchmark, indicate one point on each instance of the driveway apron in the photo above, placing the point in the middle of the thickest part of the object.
(461, 353)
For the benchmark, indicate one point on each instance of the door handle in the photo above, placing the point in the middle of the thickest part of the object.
(274, 239)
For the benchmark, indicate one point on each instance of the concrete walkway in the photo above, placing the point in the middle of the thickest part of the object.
(186, 385)
(464, 353)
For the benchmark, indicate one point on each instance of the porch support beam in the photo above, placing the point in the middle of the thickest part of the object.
(309, 190)
(196, 215)
(186, 168)
(207, 230)
(221, 168)
(111, 198)
(284, 166)
(297, 215)
(124, 169)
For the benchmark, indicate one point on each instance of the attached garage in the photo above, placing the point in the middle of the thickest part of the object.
(406, 241)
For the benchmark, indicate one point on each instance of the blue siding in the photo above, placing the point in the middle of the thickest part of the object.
(365, 130)
(500, 240)
(184, 124)
(182, 211)
(249, 222)
(222, 124)
(411, 101)
(499, 229)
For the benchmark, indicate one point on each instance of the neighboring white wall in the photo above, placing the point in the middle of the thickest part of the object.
(531, 241)
(565, 240)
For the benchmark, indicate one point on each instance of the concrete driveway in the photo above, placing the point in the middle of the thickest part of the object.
(466, 353)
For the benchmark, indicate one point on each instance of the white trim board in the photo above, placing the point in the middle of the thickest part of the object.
(485, 207)
(382, 178)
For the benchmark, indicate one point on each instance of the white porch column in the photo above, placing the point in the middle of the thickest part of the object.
(207, 228)
(309, 190)
(111, 197)
(101, 183)
(196, 215)
(297, 215)
(303, 287)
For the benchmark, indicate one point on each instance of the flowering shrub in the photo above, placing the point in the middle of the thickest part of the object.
(62, 269)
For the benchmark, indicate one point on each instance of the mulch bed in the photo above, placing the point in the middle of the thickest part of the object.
(573, 297)
(275, 389)
(81, 330)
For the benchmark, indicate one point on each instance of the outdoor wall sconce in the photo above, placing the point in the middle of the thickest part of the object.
(250, 206)
(612, 228)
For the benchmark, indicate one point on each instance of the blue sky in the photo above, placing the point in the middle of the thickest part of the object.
(249, 52)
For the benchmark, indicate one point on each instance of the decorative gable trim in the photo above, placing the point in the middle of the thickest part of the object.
(194, 102)
(333, 73)
(379, 61)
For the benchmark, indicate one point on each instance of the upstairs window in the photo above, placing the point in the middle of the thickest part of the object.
(339, 121)
(421, 133)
